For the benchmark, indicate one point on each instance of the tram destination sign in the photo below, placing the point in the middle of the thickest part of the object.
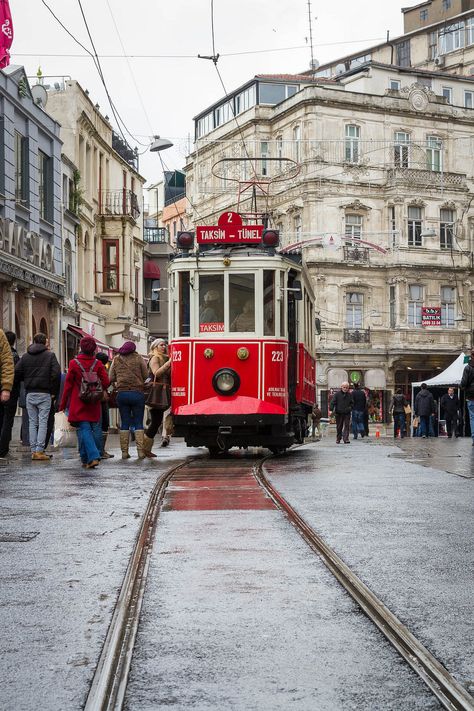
(229, 230)
(431, 316)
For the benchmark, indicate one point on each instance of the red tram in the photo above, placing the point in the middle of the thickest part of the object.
(242, 337)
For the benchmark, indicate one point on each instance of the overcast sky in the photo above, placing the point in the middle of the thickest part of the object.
(156, 95)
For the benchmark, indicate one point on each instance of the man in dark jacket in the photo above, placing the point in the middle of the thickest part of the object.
(424, 408)
(467, 384)
(8, 409)
(39, 369)
(358, 411)
(449, 404)
(397, 406)
(341, 405)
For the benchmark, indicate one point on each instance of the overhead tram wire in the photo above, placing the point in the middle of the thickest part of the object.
(95, 60)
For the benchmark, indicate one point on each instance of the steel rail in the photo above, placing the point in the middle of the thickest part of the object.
(107, 691)
(451, 694)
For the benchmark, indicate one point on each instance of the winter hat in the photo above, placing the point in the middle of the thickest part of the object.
(127, 348)
(87, 345)
(156, 343)
(103, 357)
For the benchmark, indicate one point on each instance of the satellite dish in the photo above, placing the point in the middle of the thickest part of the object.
(314, 65)
(340, 68)
(40, 95)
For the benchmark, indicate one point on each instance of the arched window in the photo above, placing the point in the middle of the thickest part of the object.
(68, 267)
(43, 327)
(33, 325)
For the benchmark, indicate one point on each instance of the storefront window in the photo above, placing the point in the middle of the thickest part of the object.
(211, 303)
(242, 303)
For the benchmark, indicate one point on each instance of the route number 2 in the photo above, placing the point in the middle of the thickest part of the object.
(277, 356)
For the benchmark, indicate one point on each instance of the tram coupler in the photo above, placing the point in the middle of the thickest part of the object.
(225, 430)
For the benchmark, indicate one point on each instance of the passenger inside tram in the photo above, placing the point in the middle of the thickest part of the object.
(245, 321)
(210, 307)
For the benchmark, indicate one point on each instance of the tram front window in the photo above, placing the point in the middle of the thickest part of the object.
(211, 303)
(242, 303)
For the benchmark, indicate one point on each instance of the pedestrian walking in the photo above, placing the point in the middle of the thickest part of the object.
(449, 405)
(128, 373)
(105, 412)
(424, 409)
(316, 416)
(83, 401)
(397, 408)
(467, 384)
(358, 411)
(8, 408)
(40, 371)
(160, 366)
(341, 405)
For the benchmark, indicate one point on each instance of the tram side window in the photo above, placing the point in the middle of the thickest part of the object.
(211, 303)
(242, 303)
(282, 304)
(268, 303)
(184, 304)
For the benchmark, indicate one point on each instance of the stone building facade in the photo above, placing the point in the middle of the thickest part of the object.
(374, 184)
(108, 189)
(31, 251)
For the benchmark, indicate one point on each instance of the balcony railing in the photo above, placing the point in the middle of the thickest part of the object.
(357, 335)
(413, 176)
(120, 203)
(359, 255)
(156, 235)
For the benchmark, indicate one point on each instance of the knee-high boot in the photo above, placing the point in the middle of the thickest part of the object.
(139, 434)
(147, 445)
(124, 440)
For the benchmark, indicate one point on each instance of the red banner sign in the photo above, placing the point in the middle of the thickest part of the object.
(6, 33)
(431, 316)
(229, 230)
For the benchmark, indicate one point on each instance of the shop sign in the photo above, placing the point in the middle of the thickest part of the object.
(30, 247)
(431, 316)
(230, 230)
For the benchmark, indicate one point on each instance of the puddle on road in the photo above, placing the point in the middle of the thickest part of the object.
(457, 464)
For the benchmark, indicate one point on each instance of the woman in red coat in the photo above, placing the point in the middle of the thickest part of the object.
(84, 415)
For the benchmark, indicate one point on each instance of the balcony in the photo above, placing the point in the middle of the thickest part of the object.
(413, 176)
(119, 203)
(156, 235)
(129, 155)
(357, 335)
(356, 255)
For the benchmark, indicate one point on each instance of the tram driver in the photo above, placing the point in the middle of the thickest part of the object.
(245, 321)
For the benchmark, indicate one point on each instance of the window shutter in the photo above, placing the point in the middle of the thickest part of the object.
(25, 171)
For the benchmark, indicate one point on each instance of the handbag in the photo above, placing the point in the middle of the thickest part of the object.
(64, 432)
(159, 397)
(407, 409)
(416, 421)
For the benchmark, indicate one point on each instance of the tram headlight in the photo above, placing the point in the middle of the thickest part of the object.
(226, 381)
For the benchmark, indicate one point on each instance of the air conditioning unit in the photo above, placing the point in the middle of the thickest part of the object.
(439, 60)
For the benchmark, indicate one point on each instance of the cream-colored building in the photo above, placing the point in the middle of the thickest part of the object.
(370, 175)
(109, 246)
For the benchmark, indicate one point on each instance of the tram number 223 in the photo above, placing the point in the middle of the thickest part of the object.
(177, 356)
(277, 356)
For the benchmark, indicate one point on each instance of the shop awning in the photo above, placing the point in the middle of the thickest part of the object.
(375, 379)
(336, 376)
(103, 347)
(151, 270)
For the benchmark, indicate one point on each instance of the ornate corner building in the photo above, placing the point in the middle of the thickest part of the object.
(366, 167)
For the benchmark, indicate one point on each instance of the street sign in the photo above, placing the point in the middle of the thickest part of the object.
(431, 316)
(230, 230)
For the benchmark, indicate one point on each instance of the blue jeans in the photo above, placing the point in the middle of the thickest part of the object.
(470, 409)
(38, 406)
(399, 423)
(358, 426)
(424, 428)
(89, 437)
(131, 405)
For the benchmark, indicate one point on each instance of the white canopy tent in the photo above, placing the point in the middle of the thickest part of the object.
(451, 376)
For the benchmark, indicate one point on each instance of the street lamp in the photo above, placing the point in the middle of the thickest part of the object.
(160, 144)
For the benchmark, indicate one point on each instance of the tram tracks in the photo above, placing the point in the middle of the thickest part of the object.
(109, 684)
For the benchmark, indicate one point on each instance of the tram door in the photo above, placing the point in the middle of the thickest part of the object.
(292, 330)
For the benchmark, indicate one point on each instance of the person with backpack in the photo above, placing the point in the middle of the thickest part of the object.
(40, 372)
(84, 388)
(128, 372)
(467, 384)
